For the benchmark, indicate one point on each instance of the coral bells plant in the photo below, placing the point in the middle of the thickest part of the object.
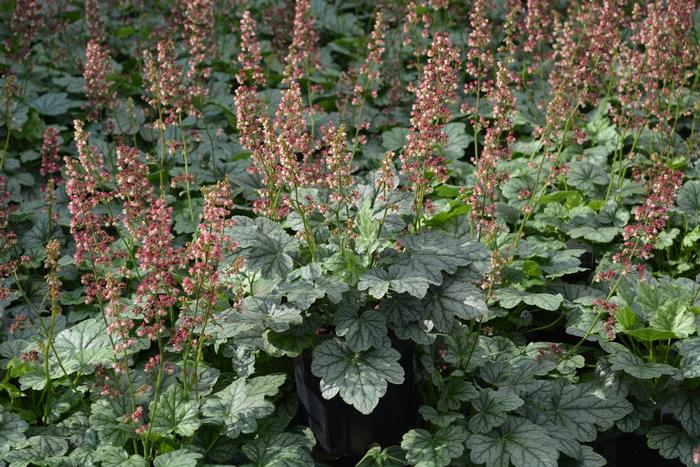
(429, 233)
(420, 163)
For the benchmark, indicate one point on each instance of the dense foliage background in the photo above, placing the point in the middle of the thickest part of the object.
(210, 208)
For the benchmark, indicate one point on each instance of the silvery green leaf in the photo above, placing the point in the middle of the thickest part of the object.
(425, 449)
(673, 443)
(430, 253)
(457, 140)
(492, 409)
(113, 456)
(675, 317)
(12, 429)
(455, 391)
(440, 419)
(544, 301)
(84, 345)
(401, 309)
(517, 441)
(242, 403)
(399, 279)
(361, 331)
(509, 297)
(36, 451)
(265, 246)
(177, 458)
(688, 200)
(281, 450)
(582, 408)
(454, 299)
(361, 378)
(259, 313)
(395, 138)
(107, 417)
(586, 175)
(685, 405)
(690, 361)
(174, 413)
(53, 104)
(621, 359)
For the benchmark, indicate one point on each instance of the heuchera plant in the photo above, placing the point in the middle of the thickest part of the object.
(197, 198)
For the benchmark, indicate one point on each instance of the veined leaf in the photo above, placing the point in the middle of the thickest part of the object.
(174, 413)
(242, 403)
(361, 378)
(399, 279)
(518, 441)
(177, 458)
(492, 408)
(424, 449)
(361, 331)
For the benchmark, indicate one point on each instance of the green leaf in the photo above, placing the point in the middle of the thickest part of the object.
(53, 104)
(424, 449)
(510, 298)
(108, 417)
(257, 313)
(441, 419)
(685, 406)
(395, 138)
(452, 299)
(690, 361)
(242, 403)
(492, 408)
(544, 301)
(688, 200)
(673, 443)
(457, 140)
(281, 450)
(361, 331)
(454, 392)
(621, 359)
(113, 456)
(12, 429)
(177, 458)
(518, 441)
(399, 279)
(361, 378)
(674, 317)
(586, 175)
(265, 246)
(174, 413)
(430, 253)
(579, 407)
(84, 345)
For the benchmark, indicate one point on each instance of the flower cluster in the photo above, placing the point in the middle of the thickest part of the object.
(50, 159)
(585, 48)
(27, 20)
(94, 22)
(199, 23)
(250, 56)
(651, 217)
(207, 249)
(419, 161)
(338, 161)
(302, 57)
(85, 176)
(497, 144)
(479, 56)
(164, 79)
(97, 89)
(368, 76)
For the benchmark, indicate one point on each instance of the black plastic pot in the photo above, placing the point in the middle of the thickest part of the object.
(343, 431)
(630, 450)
